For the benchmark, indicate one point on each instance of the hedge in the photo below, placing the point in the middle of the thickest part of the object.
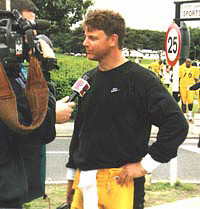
(71, 68)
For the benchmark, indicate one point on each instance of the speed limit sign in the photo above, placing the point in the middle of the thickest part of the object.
(173, 44)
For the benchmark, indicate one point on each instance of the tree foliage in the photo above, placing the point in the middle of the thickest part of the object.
(136, 39)
(195, 43)
(148, 39)
(62, 13)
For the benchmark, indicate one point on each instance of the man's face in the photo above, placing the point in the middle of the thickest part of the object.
(97, 44)
(28, 15)
(188, 63)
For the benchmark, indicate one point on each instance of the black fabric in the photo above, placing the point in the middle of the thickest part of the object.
(114, 119)
(20, 154)
(36, 94)
(11, 204)
(139, 193)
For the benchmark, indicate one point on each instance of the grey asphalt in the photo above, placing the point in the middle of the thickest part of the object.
(65, 131)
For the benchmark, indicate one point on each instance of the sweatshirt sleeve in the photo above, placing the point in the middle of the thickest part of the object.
(74, 140)
(47, 131)
(195, 86)
(164, 112)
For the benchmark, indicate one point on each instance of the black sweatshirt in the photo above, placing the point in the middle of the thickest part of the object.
(114, 118)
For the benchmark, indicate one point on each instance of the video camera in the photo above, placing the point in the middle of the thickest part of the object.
(17, 38)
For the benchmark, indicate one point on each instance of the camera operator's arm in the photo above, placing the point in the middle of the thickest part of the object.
(64, 109)
(47, 130)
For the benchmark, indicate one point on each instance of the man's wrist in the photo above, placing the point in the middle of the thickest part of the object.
(149, 164)
(70, 174)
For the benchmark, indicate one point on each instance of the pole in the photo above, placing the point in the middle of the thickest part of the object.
(175, 84)
(8, 5)
(173, 171)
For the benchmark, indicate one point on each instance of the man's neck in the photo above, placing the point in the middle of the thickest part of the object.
(112, 61)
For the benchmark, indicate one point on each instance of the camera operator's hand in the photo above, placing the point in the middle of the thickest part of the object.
(64, 110)
(49, 61)
(46, 49)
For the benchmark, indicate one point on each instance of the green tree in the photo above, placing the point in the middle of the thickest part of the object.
(76, 42)
(194, 43)
(62, 13)
(71, 41)
(132, 39)
(148, 39)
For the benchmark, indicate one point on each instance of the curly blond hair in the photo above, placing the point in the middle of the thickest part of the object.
(108, 21)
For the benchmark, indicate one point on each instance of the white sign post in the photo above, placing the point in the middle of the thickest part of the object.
(172, 50)
(8, 6)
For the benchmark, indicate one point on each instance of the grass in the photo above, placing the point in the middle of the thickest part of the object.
(156, 194)
(160, 193)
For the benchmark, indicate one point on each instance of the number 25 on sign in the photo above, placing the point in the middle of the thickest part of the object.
(173, 44)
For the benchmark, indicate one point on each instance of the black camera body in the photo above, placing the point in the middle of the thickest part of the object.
(17, 37)
(11, 43)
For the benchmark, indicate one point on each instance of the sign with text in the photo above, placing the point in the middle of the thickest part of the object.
(173, 44)
(190, 10)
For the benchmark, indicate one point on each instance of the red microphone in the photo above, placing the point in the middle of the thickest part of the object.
(80, 87)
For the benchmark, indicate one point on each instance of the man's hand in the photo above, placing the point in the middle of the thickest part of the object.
(46, 49)
(130, 171)
(70, 192)
(64, 110)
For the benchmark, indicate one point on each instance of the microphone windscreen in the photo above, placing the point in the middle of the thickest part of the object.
(81, 86)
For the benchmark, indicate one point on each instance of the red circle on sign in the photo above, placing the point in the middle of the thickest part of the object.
(173, 44)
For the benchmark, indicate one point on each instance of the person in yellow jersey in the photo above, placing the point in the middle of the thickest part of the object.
(197, 92)
(187, 77)
(157, 67)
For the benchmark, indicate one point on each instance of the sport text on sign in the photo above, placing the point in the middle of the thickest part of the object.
(190, 10)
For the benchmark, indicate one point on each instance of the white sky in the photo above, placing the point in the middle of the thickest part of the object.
(144, 14)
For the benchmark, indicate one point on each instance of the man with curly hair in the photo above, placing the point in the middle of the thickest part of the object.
(110, 149)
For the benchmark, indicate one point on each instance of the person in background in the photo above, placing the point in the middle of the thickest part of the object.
(109, 150)
(188, 76)
(195, 64)
(157, 68)
(21, 153)
(195, 87)
(167, 76)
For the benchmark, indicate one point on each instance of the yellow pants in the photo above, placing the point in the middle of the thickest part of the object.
(187, 96)
(110, 194)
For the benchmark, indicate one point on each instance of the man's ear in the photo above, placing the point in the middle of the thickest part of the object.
(114, 40)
